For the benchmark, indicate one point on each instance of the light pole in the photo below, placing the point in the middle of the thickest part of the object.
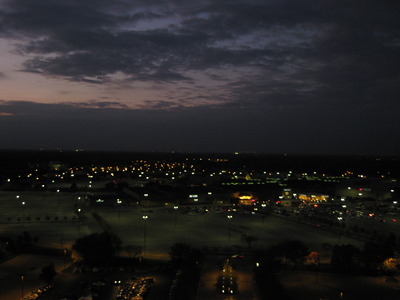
(119, 208)
(23, 211)
(263, 212)
(22, 285)
(65, 257)
(229, 226)
(78, 213)
(144, 234)
(176, 214)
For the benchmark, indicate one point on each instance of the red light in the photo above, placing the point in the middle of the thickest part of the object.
(360, 189)
(278, 201)
(394, 220)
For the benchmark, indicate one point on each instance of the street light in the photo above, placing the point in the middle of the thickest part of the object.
(78, 213)
(23, 211)
(22, 277)
(65, 255)
(229, 226)
(144, 234)
(119, 208)
(176, 214)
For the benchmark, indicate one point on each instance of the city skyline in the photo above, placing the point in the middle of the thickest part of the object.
(302, 77)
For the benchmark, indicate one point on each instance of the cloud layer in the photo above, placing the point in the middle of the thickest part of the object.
(338, 58)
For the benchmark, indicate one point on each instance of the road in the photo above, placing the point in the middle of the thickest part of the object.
(242, 271)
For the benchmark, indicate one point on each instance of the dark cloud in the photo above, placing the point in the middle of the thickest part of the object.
(255, 65)
(89, 41)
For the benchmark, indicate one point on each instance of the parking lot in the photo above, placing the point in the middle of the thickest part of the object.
(160, 229)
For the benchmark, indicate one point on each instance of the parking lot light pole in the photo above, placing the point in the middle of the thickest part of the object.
(144, 234)
(22, 277)
(23, 211)
(176, 214)
(229, 226)
(65, 257)
(119, 208)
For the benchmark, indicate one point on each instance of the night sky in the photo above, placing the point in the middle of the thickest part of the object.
(271, 76)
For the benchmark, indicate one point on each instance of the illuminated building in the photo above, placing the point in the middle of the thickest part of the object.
(313, 198)
(245, 198)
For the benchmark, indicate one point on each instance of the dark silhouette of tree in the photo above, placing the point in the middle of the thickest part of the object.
(294, 251)
(249, 239)
(375, 254)
(187, 260)
(97, 246)
(133, 250)
(181, 254)
(25, 241)
(178, 252)
(48, 273)
(73, 187)
(390, 240)
(344, 255)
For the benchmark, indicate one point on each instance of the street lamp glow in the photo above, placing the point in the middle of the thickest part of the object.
(229, 226)
(176, 214)
(144, 234)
